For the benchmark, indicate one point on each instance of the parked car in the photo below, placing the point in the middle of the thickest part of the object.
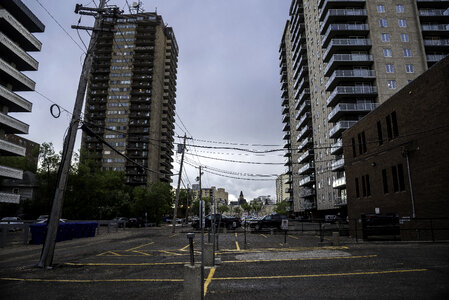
(12, 221)
(46, 220)
(135, 222)
(247, 221)
(41, 217)
(220, 220)
(269, 221)
(120, 222)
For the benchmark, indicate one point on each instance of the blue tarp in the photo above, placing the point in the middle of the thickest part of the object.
(66, 231)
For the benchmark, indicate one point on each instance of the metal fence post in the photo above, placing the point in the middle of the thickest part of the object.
(356, 234)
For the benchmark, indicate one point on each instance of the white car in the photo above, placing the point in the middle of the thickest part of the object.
(12, 221)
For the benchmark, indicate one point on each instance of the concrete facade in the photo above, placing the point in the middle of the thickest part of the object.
(358, 54)
(17, 23)
(401, 165)
(131, 97)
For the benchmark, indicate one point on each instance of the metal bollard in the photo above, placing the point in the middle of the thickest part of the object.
(190, 236)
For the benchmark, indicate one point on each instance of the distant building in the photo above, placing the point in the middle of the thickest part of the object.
(130, 99)
(282, 188)
(241, 199)
(220, 194)
(396, 158)
(17, 23)
(266, 200)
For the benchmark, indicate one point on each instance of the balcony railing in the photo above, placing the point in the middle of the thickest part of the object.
(350, 28)
(11, 148)
(305, 117)
(337, 147)
(338, 164)
(303, 131)
(433, 12)
(14, 101)
(29, 41)
(12, 125)
(346, 43)
(307, 193)
(307, 167)
(304, 142)
(435, 57)
(9, 198)
(307, 180)
(303, 95)
(441, 42)
(324, 3)
(435, 27)
(341, 74)
(339, 182)
(340, 126)
(27, 62)
(341, 13)
(305, 155)
(302, 107)
(18, 80)
(351, 90)
(351, 107)
(10, 172)
(346, 58)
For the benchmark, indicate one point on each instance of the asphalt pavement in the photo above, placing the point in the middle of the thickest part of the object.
(148, 263)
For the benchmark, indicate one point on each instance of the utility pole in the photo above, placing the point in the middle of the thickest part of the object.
(175, 210)
(48, 248)
(202, 208)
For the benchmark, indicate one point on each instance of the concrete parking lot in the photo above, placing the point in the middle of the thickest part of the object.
(149, 263)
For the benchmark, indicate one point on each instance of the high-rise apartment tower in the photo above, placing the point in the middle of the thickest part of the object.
(131, 97)
(17, 23)
(339, 61)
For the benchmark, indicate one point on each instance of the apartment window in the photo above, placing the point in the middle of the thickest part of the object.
(385, 37)
(401, 178)
(362, 142)
(391, 84)
(394, 173)
(387, 52)
(354, 154)
(368, 186)
(409, 68)
(380, 8)
(407, 53)
(364, 194)
(385, 180)
(379, 133)
(402, 23)
(399, 8)
(389, 129)
(389, 68)
(394, 122)
(383, 23)
(404, 37)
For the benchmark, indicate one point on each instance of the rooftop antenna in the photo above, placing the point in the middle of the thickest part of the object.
(137, 7)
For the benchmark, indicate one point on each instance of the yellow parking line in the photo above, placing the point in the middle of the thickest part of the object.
(123, 264)
(174, 235)
(143, 253)
(185, 248)
(293, 237)
(168, 252)
(319, 275)
(93, 280)
(237, 246)
(264, 235)
(209, 279)
(297, 259)
(104, 253)
(235, 234)
(132, 249)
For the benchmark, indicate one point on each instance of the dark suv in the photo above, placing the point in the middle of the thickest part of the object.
(223, 221)
(269, 221)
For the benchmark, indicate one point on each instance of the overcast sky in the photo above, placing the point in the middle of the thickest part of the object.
(228, 82)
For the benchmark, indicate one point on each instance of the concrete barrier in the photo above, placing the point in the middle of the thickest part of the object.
(192, 282)
(208, 254)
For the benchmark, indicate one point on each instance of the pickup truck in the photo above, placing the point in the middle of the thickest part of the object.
(269, 221)
(220, 220)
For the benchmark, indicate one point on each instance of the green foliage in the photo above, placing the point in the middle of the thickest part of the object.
(246, 207)
(223, 209)
(281, 207)
(256, 206)
(156, 200)
(196, 207)
(237, 211)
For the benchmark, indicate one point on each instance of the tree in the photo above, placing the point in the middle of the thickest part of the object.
(156, 200)
(238, 211)
(257, 206)
(196, 206)
(223, 209)
(281, 207)
(247, 208)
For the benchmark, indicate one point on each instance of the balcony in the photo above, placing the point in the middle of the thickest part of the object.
(349, 75)
(347, 108)
(305, 130)
(307, 192)
(351, 91)
(346, 60)
(304, 143)
(304, 95)
(9, 198)
(10, 172)
(337, 148)
(7, 148)
(307, 168)
(441, 44)
(435, 28)
(287, 136)
(339, 183)
(433, 58)
(289, 180)
(344, 29)
(325, 4)
(12, 125)
(346, 44)
(286, 119)
(307, 180)
(305, 118)
(307, 154)
(18, 81)
(338, 164)
(13, 53)
(14, 102)
(305, 106)
(340, 127)
(341, 15)
(13, 28)
(433, 14)
(286, 127)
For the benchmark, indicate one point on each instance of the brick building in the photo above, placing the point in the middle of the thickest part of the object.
(396, 158)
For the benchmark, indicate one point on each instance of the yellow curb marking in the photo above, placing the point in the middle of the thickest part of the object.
(132, 249)
(320, 275)
(209, 279)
